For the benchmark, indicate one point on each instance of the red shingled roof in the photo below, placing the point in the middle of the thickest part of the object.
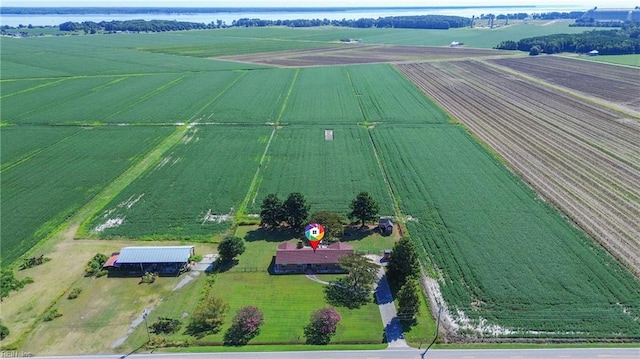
(112, 260)
(288, 253)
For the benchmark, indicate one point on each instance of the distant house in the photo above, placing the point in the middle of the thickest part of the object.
(136, 261)
(386, 226)
(593, 53)
(292, 258)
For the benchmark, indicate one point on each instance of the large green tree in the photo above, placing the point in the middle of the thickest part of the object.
(230, 247)
(403, 262)
(362, 272)
(363, 208)
(408, 300)
(208, 317)
(296, 210)
(271, 211)
(332, 223)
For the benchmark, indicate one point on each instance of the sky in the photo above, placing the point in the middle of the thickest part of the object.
(316, 3)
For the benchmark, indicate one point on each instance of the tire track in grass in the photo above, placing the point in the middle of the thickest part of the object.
(368, 126)
(149, 95)
(37, 87)
(255, 182)
(217, 96)
(34, 153)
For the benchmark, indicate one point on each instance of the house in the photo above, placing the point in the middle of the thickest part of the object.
(292, 258)
(136, 261)
(386, 226)
(593, 53)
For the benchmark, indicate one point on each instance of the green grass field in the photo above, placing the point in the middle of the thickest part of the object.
(186, 194)
(46, 187)
(629, 60)
(503, 254)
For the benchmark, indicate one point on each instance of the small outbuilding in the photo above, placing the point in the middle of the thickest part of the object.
(593, 53)
(163, 260)
(385, 225)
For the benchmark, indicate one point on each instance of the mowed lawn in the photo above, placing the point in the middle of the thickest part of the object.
(287, 301)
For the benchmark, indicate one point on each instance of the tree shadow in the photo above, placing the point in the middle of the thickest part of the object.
(279, 234)
(220, 266)
(339, 296)
(355, 232)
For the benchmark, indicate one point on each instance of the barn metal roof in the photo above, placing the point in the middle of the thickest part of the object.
(167, 254)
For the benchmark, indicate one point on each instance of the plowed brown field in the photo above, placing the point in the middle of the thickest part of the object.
(581, 156)
(616, 84)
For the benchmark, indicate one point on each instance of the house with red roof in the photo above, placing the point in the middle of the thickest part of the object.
(292, 258)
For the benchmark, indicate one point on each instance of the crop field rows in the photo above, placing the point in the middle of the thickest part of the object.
(580, 156)
(616, 84)
(508, 265)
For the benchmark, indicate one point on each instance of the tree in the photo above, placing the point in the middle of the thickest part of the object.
(408, 300)
(364, 208)
(322, 326)
(535, 50)
(9, 283)
(208, 317)
(230, 247)
(296, 210)
(271, 212)
(403, 262)
(362, 272)
(245, 326)
(332, 223)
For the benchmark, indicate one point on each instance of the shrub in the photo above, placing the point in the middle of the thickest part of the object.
(94, 266)
(51, 315)
(33, 261)
(75, 292)
(166, 326)
(4, 331)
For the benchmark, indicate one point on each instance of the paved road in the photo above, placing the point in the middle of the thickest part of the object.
(608, 353)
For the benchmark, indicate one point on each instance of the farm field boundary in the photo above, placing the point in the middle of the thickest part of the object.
(614, 84)
(584, 161)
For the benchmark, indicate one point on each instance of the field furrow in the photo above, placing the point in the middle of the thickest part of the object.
(578, 155)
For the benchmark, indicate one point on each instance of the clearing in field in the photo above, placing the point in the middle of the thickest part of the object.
(360, 54)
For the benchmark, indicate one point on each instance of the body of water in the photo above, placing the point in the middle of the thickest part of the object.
(228, 17)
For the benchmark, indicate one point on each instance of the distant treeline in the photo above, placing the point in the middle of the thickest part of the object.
(404, 22)
(625, 40)
(131, 25)
(212, 10)
(410, 22)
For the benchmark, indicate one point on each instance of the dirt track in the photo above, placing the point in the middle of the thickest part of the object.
(581, 156)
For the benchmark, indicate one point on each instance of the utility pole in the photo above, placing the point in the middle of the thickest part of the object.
(144, 316)
(437, 331)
